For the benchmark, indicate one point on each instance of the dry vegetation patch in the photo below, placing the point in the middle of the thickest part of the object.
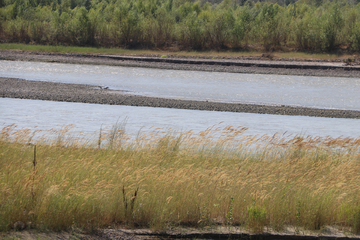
(165, 180)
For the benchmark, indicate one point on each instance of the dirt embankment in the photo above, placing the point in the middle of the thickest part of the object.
(17, 88)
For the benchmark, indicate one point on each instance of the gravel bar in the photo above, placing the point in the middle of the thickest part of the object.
(50, 91)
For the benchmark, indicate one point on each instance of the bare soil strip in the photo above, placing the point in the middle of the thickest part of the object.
(186, 234)
(50, 91)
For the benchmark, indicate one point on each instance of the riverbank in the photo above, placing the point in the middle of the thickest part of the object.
(50, 91)
(264, 64)
(221, 233)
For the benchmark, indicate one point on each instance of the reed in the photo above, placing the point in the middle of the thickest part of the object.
(219, 176)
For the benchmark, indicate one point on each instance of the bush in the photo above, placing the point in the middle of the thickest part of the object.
(80, 28)
(184, 24)
(332, 25)
(256, 218)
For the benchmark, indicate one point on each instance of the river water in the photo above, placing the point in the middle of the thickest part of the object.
(319, 92)
(89, 118)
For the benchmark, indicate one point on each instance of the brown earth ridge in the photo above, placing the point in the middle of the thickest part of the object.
(40, 90)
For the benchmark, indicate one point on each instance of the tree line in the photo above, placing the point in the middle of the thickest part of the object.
(305, 25)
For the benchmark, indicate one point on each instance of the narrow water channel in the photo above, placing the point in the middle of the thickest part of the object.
(89, 118)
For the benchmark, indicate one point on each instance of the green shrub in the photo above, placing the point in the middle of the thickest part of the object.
(256, 218)
(182, 24)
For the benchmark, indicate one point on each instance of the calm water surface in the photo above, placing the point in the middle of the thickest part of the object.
(319, 92)
(341, 93)
(89, 118)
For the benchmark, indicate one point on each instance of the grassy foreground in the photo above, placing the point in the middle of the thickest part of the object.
(164, 53)
(220, 176)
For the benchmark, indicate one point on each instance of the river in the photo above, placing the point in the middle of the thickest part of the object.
(319, 92)
(338, 93)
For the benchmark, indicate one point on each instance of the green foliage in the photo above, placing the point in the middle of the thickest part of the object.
(16, 9)
(80, 28)
(305, 25)
(230, 213)
(267, 23)
(355, 37)
(356, 221)
(332, 25)
(191, 31)
(256, 218)
(308, 30)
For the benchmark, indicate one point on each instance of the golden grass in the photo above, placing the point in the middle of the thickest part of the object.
(220, 176)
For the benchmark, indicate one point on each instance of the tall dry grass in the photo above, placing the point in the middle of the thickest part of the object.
(220, 176)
